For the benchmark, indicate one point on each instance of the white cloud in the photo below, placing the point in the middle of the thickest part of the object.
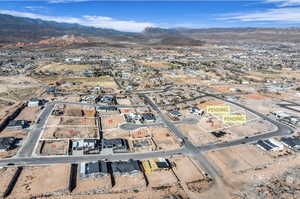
(94, 21)
(272, 15)
(285, 3)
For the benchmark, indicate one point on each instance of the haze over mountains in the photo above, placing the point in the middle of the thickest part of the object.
(18, 29)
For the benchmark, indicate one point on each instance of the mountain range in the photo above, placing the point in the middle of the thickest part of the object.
(18, 29)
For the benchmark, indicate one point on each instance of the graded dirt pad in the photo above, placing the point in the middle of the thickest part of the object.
(116, 133)
(141, 194)
(28, 113)
(103, 81)
(161, 178)
(69, 132)
(163, 138)
(78, 121)
(125, 101)
(197, 136)
(254, 96)
(53, 147)
(111, 121)
(210, 102)
(6, 175)
(58, 67)
(239, 159)
(186, 169)
(85, 185)
(35, 181)
(130, 183)
(79, 110)
(249, 129)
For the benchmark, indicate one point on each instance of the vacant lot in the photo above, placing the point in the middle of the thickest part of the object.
(136, 182)
(5, 175)
(29, 113)
(163, 138)
(58, 67)
(35, 181)
(50, 147)
(111, 121)
(70, 121)
(239, 159)
(92, 184)
(69, 132)
(161, 178)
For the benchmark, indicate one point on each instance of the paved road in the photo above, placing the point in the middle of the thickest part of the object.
(207, 167)
(131, 126)
(87, 104)
(88, 158)
(33, 137)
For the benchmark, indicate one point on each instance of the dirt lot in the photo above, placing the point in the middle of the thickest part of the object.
(70, 121)
(111, 121)
(116, 133)
(129, 182)
(141, 194)
(92, 184)
(34, 181)
(184, 164)
(5, 175)
(240, 158)
(163, 138)
(161, 178)
(78, 110)
(29, 113)
(50, 147)
(69, 132)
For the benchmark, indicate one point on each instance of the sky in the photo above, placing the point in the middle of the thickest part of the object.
(135, 16)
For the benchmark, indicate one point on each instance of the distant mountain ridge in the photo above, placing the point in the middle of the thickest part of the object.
(19, 29)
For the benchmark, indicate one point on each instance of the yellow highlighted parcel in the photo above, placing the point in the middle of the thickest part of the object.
(218, 109)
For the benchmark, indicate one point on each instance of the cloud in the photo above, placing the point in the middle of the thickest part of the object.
(271, 15)
(87, 20)
(34, 7)
(285, 3)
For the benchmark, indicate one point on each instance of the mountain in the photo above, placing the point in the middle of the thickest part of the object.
(229, 34)
(19, 29)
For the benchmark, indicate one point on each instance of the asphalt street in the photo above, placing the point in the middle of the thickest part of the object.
(33, 137)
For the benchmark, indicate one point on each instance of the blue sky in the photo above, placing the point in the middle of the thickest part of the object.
(134, 16)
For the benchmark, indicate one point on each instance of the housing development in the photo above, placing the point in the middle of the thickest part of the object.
(85, 118)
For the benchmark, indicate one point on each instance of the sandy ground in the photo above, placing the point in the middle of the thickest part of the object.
(69, 132)
(240, 158)
(184, 164)
(6, 175)
(39, 180)
(47, 147)
(29, 113)
(161, 178)
(111, 121)
(163, 138)
(89, 184)
(129, 182)
(141, 194)
(125, 102)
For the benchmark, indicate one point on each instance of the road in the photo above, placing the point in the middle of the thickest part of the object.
(25, 161)
(33, 137)
(193, 150)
